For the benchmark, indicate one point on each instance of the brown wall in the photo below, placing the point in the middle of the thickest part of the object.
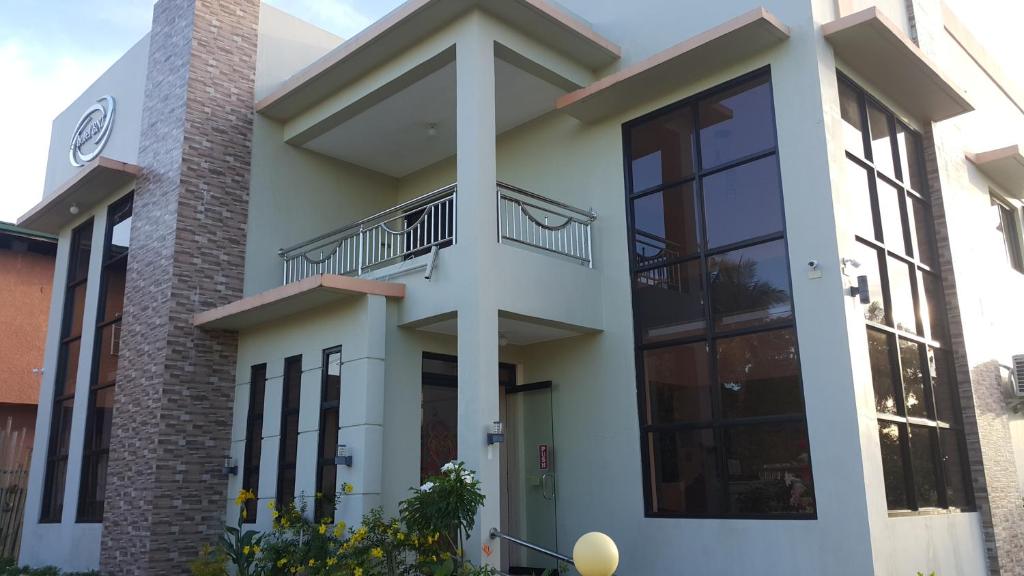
(25, 281)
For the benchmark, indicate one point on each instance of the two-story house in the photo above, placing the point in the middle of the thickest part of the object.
(740, 281)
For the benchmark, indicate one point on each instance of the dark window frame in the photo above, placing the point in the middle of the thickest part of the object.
(923, 335)
(90, 510)
(325, 506)
(1010, 228)
(718, 424)
(254, 438)
(51, 511)
(286, 435)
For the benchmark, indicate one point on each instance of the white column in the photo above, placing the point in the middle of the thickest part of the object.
(477, 313)
(361, 417)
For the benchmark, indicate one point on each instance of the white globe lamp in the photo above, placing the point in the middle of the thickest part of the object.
(595, 554)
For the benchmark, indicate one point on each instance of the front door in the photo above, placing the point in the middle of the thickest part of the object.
(531, 480)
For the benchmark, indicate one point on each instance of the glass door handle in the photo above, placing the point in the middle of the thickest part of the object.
(548, 495)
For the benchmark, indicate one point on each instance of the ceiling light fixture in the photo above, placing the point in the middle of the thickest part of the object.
(431, 129)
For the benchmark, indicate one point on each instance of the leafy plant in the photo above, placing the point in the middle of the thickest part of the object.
(242, 546)
(445, 507)
(210, 562)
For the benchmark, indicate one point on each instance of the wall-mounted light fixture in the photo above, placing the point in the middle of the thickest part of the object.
(230, 468)
(73, 209)
(497, 433)
(344, 456)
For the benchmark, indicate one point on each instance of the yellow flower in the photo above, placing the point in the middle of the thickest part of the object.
(245, 550)
(275, 513)
(282, 562)
(271, 504)
(347, 488)
(245, 513)
(401, 536)
(358, 571)
(339, 529)
(255, 549)
(244, 496)
(312, 562)
(319, 494)
(377, 553)
(331, 561)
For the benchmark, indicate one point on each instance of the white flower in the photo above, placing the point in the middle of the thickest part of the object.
(448, 467)
(427, 487)
(467, 476)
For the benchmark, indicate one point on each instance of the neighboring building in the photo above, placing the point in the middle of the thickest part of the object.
(26, 275)
(742, 282)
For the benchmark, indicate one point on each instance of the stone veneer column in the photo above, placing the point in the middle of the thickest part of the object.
(172, 411)
(984, 408)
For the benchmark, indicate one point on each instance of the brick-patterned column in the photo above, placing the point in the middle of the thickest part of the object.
(172, 411)
(985, 412)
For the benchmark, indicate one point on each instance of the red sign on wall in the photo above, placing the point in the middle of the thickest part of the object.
(542, 456)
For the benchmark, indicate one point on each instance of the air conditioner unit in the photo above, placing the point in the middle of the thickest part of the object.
(1017, 375)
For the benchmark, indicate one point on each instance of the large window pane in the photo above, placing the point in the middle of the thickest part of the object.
(661, 149)
(684, 473)
(902, 296)
(926, 476)
(869, 260)
(666, 225)
(933, 313)
(891, 437)
(769, 469)
(892, 221)
(750, 286)
(881, 144)
(908, 146)
(924, 248)
(81, 248)
(113, 300)
(109, 343)
(743, 202)
(887, 393)
(853, 127)
(669, 302)
(676, 384)
(75, 311)
(858, 200)
(69, 375)
(736, 123)
(944, 386)
(913, 378)
(953, 466)
(759, 375)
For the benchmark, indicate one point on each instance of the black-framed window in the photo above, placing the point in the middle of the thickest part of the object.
(920, 427)
(254, 438)
(723, 426)
(67, 373)
(330, 412)
(106, 348)
(1009, 228)
(289, 448)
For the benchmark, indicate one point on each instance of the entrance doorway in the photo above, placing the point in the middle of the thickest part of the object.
(529, 482)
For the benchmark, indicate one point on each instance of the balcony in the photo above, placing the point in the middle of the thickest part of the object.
(429, 222)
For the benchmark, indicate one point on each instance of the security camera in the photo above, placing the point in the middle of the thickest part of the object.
(812, 263)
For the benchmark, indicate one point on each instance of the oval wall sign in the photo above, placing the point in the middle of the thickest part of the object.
(92, 131)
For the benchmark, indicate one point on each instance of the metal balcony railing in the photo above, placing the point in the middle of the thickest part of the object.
(417, 226)
(533, 220)
(399, 233)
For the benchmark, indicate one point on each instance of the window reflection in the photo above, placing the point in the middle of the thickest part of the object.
(881, 144)
(758, 375)
(670, 302)
(750, 286)
(677, 383)
(853, 127)
(870, 266)
(769, 469)
(902, 297)
(890, 436)
(858, 198)
(666, 225)
(684, 474)
(743, 202)
(886, 389)
(661, 149)
(922, 456)
(736, 123)
(913, 378)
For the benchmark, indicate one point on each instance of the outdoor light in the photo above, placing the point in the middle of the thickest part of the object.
(230, 469)
(432, 129)
(344, 456)
(497, 433)
(73, 209)
(595, 554)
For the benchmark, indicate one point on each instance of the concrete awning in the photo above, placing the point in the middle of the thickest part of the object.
(1005, 167)
(94, 182)
(292, 299)
(885, 57)
(410, 24)
(699, 56)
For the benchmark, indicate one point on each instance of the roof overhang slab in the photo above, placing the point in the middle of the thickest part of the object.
(417, 20)
(734, 41)
(290, 299)
(1004, 167)
(87, 188)
(881, 54)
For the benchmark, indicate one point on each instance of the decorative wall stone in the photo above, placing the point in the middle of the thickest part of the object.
(172, 412)
(985, 411)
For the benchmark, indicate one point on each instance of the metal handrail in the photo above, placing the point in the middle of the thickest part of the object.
(495, 533)
(570, 238)
(394, 210)
(585, 213)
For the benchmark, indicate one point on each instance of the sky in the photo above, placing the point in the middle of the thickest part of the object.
(52, 50)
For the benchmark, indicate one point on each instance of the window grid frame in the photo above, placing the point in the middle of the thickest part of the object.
(284, 414)
(54, 459)
(1013, 242)
(719, 424)
(909, 254)
(254, 419)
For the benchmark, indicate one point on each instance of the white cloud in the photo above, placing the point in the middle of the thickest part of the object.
(44, 83)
